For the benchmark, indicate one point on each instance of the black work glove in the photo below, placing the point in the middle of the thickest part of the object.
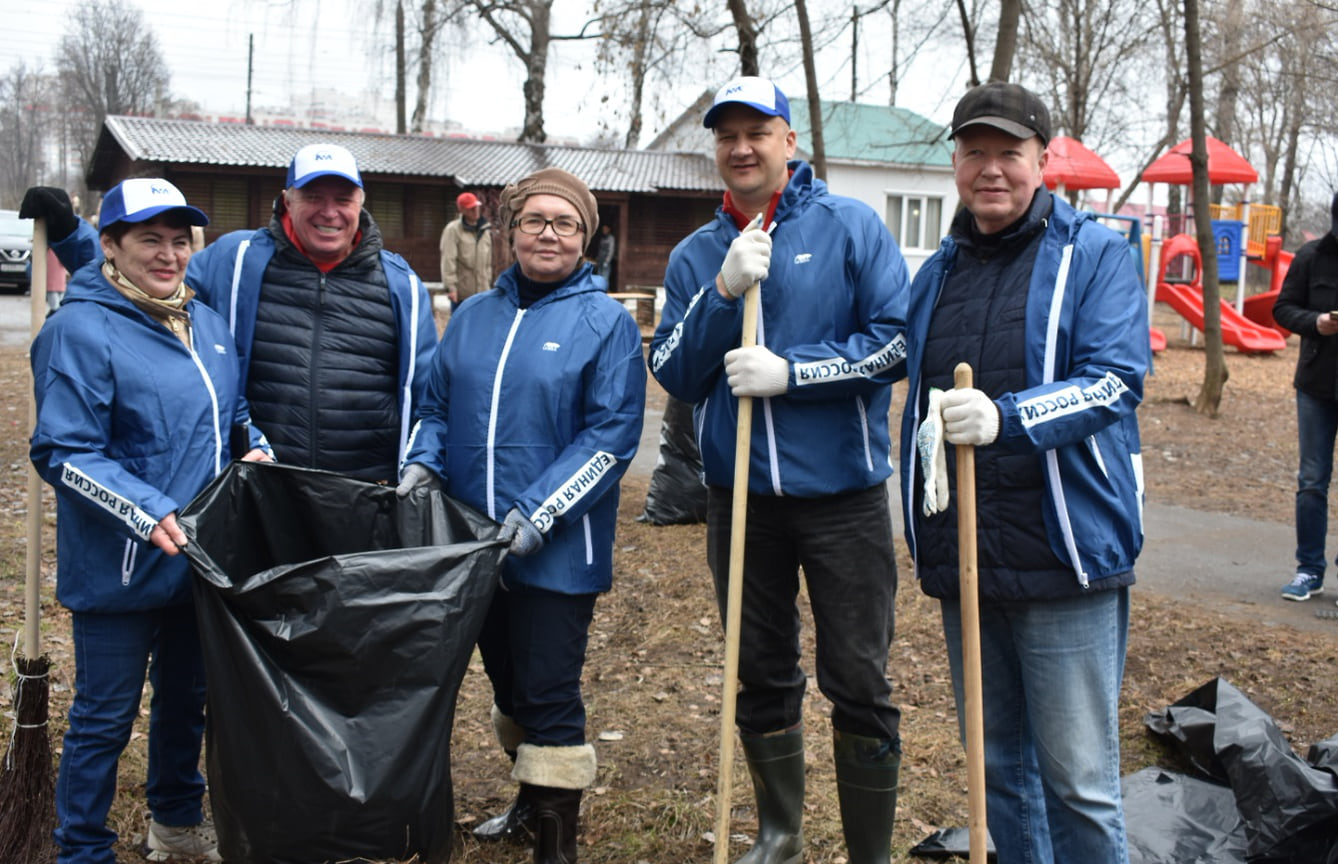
(52, 205)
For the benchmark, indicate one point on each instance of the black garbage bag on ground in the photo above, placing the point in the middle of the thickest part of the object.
(948, 843)
(1173, 818)
(677, 495)
(1289, 807)
(337, 622)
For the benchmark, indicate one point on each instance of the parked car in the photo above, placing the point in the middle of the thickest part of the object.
(16, 248)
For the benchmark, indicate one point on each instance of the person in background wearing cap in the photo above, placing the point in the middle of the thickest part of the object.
(830, 343)
(1306, 305)
(137, 385)
(1045, 305)
(533, 413)
(334, 332)
(466, 251)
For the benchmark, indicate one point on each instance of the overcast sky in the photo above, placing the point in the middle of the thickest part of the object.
(304, 45)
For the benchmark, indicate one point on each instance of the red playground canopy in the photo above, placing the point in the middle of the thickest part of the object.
(1074, 166)
(1224, 166)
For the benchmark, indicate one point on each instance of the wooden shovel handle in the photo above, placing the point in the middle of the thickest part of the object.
(968, 583)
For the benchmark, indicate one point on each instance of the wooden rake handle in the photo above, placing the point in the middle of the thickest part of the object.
(968, 583)
(32, 607)
(738, 529)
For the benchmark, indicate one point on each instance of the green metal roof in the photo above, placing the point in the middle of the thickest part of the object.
(874, 133)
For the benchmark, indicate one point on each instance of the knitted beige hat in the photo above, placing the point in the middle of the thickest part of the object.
(552, 181)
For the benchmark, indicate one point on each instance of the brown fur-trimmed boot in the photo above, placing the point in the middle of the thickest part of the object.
(556, 777)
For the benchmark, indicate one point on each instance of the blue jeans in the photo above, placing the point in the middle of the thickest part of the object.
(533, 646)
(1316, 425)
(111, 652)
(1051, 674)
(843, 543)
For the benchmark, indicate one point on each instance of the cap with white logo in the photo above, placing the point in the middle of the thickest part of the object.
(142, 198)
(322, 160)
(757, 93)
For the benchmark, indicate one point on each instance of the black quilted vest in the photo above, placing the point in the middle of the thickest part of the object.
(323, 380)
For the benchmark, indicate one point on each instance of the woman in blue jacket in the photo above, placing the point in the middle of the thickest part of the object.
(136, 388)
(532, 413)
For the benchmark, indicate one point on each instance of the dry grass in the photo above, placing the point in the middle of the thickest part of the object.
(654, 668)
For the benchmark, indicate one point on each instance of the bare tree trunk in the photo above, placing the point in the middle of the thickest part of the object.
(536, 65)
(973, 77)
(854, 53)
(1005, 47)
(1229, 93)
(814, 102)
(747, 30)
(400, 126)
(1214, 363)
(1285, 199)
(894, 76)
(640, 49)
(426, 45)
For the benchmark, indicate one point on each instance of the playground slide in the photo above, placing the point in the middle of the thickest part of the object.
(1237, 330)
(1259, 307)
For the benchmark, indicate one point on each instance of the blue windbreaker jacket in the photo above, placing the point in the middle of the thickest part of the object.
(1086, 354)
(834, 306)
(130, 426)
(539, 409)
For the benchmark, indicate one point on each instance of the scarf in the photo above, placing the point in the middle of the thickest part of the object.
(168, 311)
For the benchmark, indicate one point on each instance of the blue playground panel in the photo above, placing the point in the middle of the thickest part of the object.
(1228, 235)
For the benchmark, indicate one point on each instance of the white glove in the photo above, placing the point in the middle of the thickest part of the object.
(755, 371)
(524, 538)
(416, 475)
(748, 260)
(969, 417)
(933, 455)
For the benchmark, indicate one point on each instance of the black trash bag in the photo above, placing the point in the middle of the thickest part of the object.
(677, 495)
(1173, 818)
(1289, 808)
(337, 622)
(951, 843)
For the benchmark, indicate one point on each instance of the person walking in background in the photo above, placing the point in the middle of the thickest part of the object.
(1045, 305)
(604, 250)
(466, 251)
(1308, 305)
(830, 343)
(334, 332)
(137, 386)
(533, 413)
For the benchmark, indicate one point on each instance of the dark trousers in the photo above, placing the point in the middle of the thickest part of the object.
(533, 646)
(111, 654)
(843, 543)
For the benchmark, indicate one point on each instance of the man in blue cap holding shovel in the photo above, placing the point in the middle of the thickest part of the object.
(829, 345)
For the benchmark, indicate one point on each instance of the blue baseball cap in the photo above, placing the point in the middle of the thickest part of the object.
(757, 93)
(322, 160)
(142, 198)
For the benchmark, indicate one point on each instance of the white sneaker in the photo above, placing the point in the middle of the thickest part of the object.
(191, 842)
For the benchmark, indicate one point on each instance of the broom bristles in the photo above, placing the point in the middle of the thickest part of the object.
(27, 788)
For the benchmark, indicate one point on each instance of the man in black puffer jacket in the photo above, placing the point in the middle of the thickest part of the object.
(335, 333)
(1308, 305)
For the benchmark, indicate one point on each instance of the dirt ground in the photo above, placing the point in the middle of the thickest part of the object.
(653, 676)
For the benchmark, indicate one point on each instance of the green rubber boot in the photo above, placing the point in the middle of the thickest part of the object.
(866, 784)
(776, 763)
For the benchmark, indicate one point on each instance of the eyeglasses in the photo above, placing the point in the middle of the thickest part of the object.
(563, 226)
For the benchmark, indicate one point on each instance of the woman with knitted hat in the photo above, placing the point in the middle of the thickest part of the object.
(533, 412)
(137, 389)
